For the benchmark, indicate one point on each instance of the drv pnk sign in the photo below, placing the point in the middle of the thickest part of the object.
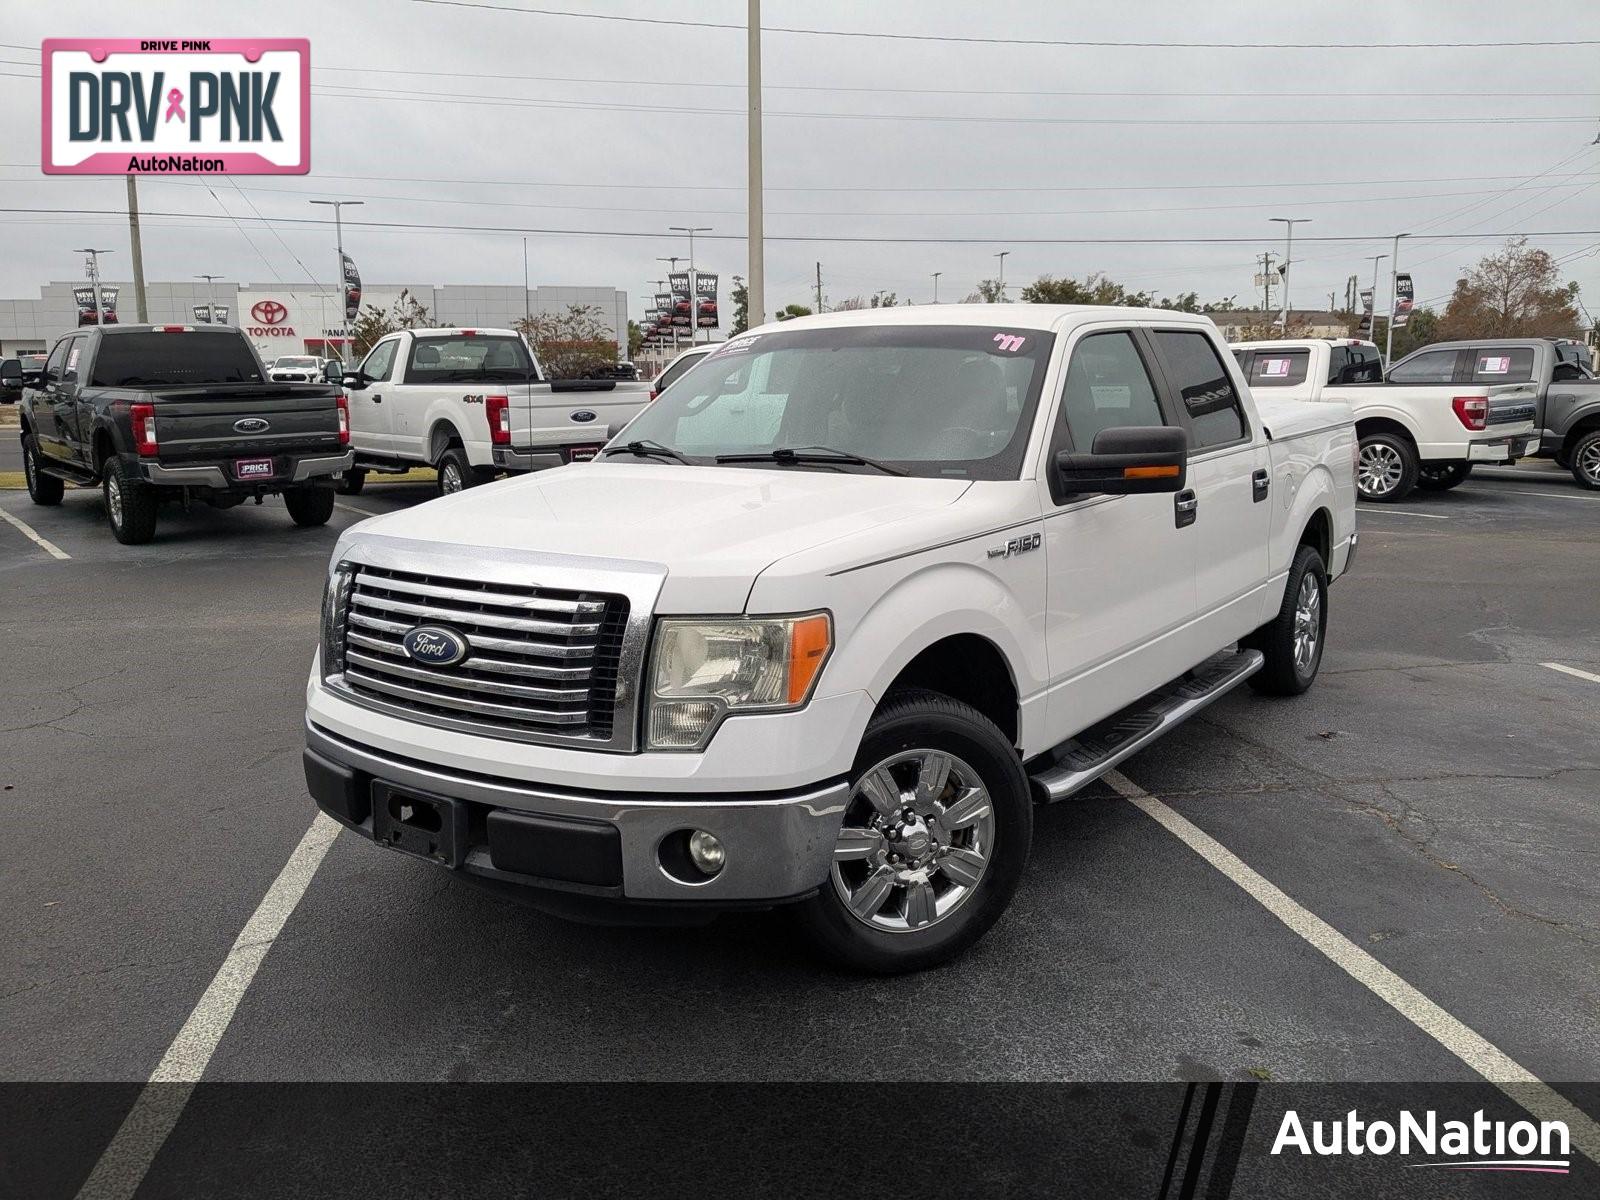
(212, 106)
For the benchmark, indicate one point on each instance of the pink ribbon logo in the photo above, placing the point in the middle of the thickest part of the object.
(175, 105)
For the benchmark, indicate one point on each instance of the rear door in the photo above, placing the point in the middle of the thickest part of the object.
(1229, 479)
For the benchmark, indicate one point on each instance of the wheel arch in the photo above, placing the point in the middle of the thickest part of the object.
(1370, 425)
(443, 434)
(970, 668)
(1580, 429)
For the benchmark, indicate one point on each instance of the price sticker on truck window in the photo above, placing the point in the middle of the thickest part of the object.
(1495, 364)
(1274, 368)
(1112, 396)
(72, 358)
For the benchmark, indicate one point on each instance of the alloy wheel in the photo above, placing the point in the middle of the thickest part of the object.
(114, 500)
(1588, 461)
(449, 479)
(917, 838)
(1307, 623)
(1378, 470)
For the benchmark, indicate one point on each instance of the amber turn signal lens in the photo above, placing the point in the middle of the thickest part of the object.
(808, 647)
(1168, 472)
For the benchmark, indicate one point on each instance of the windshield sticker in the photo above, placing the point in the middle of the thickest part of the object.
(1107, 395)
(1274, 368)
(738, 344)
(1009, 342)
(1495, 364)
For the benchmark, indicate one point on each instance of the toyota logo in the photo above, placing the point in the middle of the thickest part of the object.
(269, 312)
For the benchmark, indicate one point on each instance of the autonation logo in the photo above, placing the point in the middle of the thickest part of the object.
(1478, 1145)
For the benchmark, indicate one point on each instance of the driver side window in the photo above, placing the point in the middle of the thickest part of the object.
(380, 361)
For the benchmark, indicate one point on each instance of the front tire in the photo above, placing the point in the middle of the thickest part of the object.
(1386, 468)
(309, 506)
(1441, 477)
(1292, 641)
(42, 489)
(456, 474)
(935, 837)
(131, 503)
(1585, 460)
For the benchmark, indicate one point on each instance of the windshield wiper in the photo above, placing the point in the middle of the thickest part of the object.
(822, 455)
(646, 449)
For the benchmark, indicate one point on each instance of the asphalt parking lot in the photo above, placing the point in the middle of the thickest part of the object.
(1435, 799)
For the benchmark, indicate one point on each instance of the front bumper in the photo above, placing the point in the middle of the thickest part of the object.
(609, 845)
(213, 476)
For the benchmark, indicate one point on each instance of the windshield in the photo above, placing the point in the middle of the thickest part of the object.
(174, 360)
(297, 363)
(468, 357)
(934, 401)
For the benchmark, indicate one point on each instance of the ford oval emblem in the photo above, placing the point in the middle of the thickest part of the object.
(434, 646)
(251, 425)
(583, 415)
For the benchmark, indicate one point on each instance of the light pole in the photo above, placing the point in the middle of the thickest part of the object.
(94, 279)
(1288, 258)
(756, 284)
(1002, 257)
(936, 275)
(694, 287)
(1376, 259)
(211, 299)
(1394, 298)
(527, 305)
(338, 241)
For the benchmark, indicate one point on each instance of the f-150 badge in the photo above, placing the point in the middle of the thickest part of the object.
(1017, 545)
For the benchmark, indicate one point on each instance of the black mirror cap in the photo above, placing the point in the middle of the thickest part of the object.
(354, 380)
(1128, 460)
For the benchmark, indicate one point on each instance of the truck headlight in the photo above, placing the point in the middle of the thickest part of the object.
(335, 614)
(703, 669)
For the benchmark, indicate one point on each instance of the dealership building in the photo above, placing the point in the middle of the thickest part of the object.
(297, 318)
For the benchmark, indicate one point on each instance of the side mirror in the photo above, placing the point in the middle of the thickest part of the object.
(354, 380)
(11, 373)
(333, 372)
(1128, 460)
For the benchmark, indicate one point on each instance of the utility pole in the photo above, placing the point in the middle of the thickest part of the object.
(211, 299)
(137, 249)
(1394, 298)
(694, 288)
(1288, 258)
(94, 280)
(756, 286)
(1266, 280)
(527, 304)
(936, 275)
(819, 287)
(338, 241)
(1002, 257)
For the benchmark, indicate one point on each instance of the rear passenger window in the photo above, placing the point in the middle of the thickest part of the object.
(1503, 365)
(1209, 397)
(1279, 368)
(1107, 387)
(1434, 366)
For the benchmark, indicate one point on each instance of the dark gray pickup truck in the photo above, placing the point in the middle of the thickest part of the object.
(178, 412)
(1558, 375)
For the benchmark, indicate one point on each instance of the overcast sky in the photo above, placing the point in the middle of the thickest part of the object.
(561, 123)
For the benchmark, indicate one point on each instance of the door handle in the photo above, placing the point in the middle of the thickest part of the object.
(1260, 485)
(1186, 507)
(377, 399)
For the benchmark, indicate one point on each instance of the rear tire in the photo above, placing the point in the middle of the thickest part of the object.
(936, 785)
(1441, 477)
(42, 489)
(456, 474)
(309, 506)
(1386, 468)
(131, 504)
(1584, 458)
(351, 482)
(1293, 640)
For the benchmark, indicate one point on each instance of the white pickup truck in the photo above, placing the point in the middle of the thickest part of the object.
(829, 616)
(1413, 434)
(472, 403)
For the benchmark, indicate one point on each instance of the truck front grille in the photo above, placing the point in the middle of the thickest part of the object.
(542, 663)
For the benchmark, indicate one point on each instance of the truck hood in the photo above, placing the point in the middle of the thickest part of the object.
(709, 531)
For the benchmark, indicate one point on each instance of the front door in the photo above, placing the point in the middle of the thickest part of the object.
(372, 407)
(1121, 590)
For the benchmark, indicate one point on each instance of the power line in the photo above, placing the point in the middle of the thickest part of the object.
(1004, 41)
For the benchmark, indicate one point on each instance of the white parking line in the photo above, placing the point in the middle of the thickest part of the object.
(365, 512)
(124, 1162)
(1592, 678)
(1551, 495)
(1472, 1048)
(1403, 512)
(44, 544)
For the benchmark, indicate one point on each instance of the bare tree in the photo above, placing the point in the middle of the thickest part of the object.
(573, 344)
(1515, 293)
(407, 312)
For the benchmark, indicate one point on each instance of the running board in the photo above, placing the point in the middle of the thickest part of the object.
(1077, 763)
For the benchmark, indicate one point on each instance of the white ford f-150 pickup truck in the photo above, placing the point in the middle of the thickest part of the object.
(1412, 434)
(472, 403)
(829, 616)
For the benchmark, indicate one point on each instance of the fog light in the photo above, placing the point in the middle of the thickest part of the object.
(705, 849)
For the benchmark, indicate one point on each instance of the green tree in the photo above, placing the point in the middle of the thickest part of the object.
(1515, 293)
(1421, 330)
(988, 293)
(789, 311)
(572, 344)
(741, 306)
(374, 323)
(635, 339)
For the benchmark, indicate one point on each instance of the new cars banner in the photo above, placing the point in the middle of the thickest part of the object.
(352, 288)
(207, 106)
(1404, 295)
(705, 288)
(211, 314)
(682, 302)
(84, 298)
(1364, 329)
